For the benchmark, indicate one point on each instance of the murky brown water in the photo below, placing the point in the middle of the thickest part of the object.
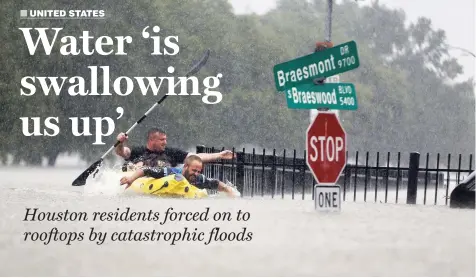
(288, 236)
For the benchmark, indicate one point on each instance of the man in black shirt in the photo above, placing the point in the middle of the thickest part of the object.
(157, 154)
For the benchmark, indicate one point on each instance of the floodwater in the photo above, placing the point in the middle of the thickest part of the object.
(288, 238)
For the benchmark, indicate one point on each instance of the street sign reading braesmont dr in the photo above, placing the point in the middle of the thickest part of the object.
(339, 59)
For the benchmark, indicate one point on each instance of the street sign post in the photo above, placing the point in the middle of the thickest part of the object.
(305, 69)
(339, 96)
(313, 112)
(326, 147)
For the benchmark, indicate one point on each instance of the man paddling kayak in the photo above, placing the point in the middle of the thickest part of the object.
(156, 152)
(191, 171)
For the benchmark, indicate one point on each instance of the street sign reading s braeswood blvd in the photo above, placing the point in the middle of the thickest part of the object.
(338, 59)
(340, 96)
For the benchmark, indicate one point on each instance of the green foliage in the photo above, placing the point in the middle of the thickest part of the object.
(408, 100)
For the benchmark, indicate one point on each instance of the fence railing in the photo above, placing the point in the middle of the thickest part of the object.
(373, 177)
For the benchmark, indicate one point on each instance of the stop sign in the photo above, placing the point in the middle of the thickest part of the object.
(326, 148)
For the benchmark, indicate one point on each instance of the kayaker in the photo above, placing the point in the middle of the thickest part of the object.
(191, 171)
(156, 152)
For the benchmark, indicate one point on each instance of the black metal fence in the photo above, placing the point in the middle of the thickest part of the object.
(377, 177)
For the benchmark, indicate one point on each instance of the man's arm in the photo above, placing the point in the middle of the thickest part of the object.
(208, 157)
(130, 179)
(122, 150)
(214, 184)
(154, 172)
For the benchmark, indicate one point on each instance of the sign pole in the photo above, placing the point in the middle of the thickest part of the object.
(313, 112)
(305, 82)
(329, 21)
(336, 189)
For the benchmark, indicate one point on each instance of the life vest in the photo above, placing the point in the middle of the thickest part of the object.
(175, 185)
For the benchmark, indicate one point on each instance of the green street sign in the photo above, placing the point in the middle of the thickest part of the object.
(305, 69)
(338, 96)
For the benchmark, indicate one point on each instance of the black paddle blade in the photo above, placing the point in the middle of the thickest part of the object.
(200, 64)
(81, 180)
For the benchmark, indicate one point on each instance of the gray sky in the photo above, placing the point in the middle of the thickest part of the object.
(460, 29)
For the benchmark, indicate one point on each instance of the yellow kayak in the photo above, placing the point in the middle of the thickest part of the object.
(170, 186)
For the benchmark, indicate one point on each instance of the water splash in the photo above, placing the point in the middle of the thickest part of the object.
(105, 182)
